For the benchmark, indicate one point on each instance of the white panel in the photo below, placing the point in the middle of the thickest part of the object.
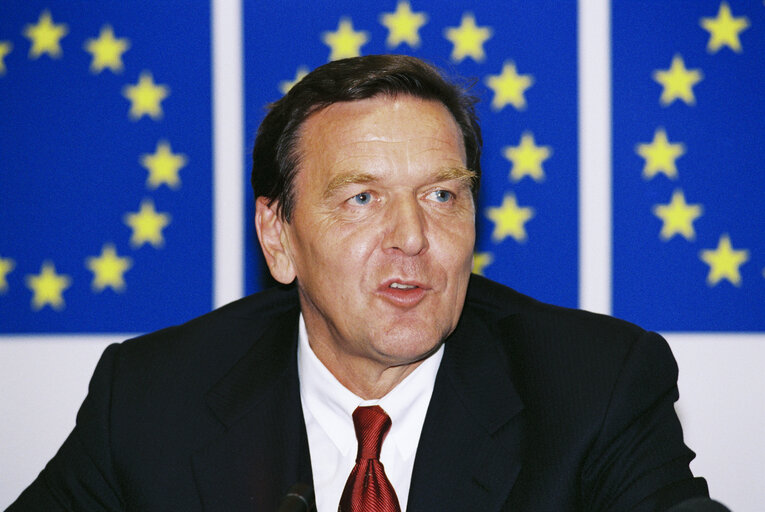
(43, 381)
(594, 25)
(722, 408)
(228, 126)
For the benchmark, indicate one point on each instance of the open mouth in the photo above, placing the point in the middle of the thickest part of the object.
(403, 293)
(402, 286)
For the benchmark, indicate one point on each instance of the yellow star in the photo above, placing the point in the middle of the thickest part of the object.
(5, 48)
(509, 87)
(724, 262)
(345, 42)
(678, 82)
(6, 267)
(286, 85)
(45, 36)
(108, 269)
(660, 155)
(481, 260)
(509, 219)
(678, 217)
(163, 166)
(145, 97)
(47, 287)
(724, 30)
(403, 25)
(527, 158)
(106, 50)
(468, 39)
(147, 225)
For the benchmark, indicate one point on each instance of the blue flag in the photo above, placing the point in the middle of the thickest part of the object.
(106, 166)
(106, 177)
(688, 153)
(521, 61)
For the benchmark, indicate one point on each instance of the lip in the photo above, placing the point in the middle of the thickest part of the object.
(403, 297)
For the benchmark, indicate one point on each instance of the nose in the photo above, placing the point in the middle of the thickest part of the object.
(406, 227)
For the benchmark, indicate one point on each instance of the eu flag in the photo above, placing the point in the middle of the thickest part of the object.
(519, 58)
(105, 166)
(689, 186)
(106, 178)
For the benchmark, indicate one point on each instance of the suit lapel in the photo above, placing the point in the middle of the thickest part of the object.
(264, 448)
(469, 453)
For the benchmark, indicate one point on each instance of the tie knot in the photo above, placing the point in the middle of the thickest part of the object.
(371, 424)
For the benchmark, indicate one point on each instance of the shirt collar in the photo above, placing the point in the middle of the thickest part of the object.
(332, 404)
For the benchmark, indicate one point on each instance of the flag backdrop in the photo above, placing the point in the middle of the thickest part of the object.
(521, 59)
(688, 165)
(105, 165)
(106, 162)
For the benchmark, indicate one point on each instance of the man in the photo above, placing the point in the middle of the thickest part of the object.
(365, 176)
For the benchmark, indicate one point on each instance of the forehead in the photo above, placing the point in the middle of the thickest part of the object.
(381, 127)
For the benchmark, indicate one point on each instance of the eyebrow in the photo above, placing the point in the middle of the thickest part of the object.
(347, 178)
(462, 174)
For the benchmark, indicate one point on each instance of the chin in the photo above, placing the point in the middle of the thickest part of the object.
(409, 344)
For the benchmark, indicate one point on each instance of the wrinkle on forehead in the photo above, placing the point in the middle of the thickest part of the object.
(367, 140)
(382, 129)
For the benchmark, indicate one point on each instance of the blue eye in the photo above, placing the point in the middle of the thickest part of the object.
(442, 196)
(362, 198)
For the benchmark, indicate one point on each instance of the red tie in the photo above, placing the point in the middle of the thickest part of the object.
(367, 488)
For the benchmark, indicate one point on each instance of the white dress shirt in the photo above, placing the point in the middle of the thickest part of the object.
(327, 409)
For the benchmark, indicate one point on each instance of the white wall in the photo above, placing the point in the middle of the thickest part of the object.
(722, 408)
(42, 383)
(722, 397)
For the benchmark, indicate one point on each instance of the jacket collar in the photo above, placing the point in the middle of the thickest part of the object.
(469, 454)
(263, 449)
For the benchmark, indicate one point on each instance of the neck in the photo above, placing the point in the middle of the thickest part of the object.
(367, 379)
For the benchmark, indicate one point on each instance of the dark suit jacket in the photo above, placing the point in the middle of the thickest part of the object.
(535, 408)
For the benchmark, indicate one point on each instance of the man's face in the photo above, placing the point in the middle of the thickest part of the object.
(382, 235)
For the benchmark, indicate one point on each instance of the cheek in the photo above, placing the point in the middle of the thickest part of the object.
(457, 237)
(456, 257)
(340, 248)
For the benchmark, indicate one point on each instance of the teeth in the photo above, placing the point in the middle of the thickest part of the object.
(402, 286)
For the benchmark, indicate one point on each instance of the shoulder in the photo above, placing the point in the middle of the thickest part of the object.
(205, 347)
(554, 346)
(249, 315)
(598, 398)
(546, 326)
(493, 299)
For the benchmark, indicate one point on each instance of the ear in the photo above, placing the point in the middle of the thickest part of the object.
(272, 239)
